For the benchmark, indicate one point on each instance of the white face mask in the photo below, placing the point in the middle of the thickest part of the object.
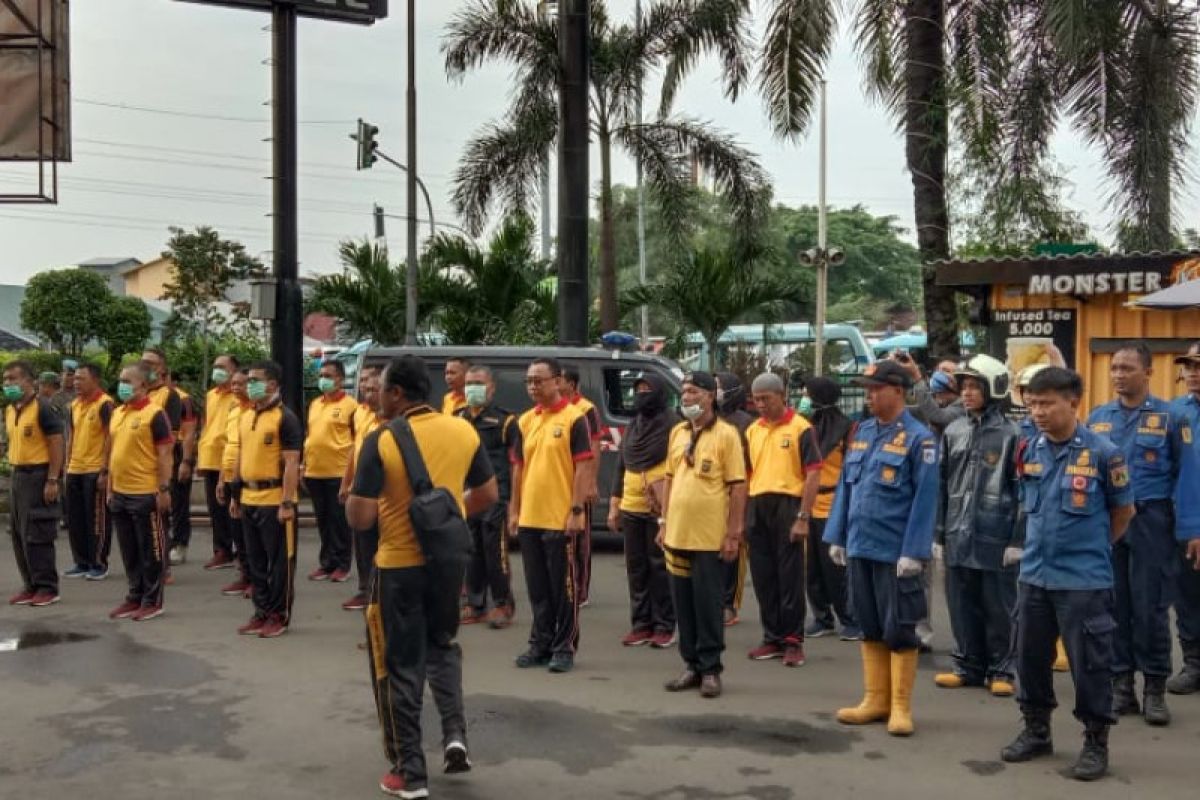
(692, 412)
(720, 396)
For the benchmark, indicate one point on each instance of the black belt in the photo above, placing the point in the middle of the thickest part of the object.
(827, 490)
(257, 486)
(26, 468)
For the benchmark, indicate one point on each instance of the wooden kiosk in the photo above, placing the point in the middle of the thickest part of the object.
(1080, 302)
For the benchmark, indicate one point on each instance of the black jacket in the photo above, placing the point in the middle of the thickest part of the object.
(978, 504)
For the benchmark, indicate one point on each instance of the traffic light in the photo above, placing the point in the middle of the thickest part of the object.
(379, 229)
(367, 145)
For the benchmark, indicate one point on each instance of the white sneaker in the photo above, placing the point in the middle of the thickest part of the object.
(456, 758)
(177, 555)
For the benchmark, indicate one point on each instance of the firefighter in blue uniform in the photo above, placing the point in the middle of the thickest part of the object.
(881, 527)
(1145, 561)
(1077, 500)
(1187, 526)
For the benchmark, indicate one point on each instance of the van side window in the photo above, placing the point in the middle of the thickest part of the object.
(618, 391)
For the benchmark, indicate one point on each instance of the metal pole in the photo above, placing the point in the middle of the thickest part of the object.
(410, 304)
(822, 250)
(573, 173)
(641, 208)
(544, 14)
(287, 332)
(420, 185)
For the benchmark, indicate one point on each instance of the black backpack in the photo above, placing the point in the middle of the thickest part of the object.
(436, 517)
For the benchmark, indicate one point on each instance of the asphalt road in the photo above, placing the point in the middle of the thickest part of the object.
(181, 707)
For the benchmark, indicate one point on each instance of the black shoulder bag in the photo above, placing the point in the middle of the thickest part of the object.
(436, 517)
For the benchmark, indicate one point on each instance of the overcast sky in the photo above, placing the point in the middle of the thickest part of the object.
(171, 117)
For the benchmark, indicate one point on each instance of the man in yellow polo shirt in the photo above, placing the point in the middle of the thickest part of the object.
(88, 523)
(455, 399)
(241, 586)
(703, 523)
(553, 471)
(367, 419)
(139, 477)
(218, 405)
(168, 399)
(266, 480)
(783, 455)
(326, 453)
(35, 450)
(583, 550)
(412, 618)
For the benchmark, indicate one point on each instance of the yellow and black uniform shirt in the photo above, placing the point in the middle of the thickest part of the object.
(90, 418)
(453, 402)
(635, 487)
(595, 429)
(702, 465)
(28, 426)
(264, 435)
(218, 405)
(454, 459)
(782, 454)
(550, 441)
(138, 428)
(330, 439)
(831, 471)
(170, 402)
(366, 422)
(229, 454)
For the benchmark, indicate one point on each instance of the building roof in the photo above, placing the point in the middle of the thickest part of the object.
(119, 262)
(989, 271)
(14, 337)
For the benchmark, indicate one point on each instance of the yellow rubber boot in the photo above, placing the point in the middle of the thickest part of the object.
(1060, 662)
(904, 675)
(877, 693)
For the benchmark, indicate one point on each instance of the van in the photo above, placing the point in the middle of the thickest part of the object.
(606, 377)
(788, 344)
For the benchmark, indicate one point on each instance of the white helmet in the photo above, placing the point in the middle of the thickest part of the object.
(990, 371)
(1022, 381)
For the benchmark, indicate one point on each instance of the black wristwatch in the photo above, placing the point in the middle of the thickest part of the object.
(164, 489)
(576, 509)
(288, 504)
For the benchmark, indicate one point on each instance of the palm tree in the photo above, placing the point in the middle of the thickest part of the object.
(502, 163)
(368, 296)
(712, 289)
(493, 297)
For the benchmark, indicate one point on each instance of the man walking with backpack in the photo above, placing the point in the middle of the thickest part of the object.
(412, 614)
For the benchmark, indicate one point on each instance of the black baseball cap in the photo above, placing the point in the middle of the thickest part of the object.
(885, 373)
(701, 380)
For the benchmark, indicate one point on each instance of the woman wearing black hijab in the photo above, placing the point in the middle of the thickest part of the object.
(826, 581)
(635, 508)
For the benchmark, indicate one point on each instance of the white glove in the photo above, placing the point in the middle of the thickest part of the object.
(938, 552)
(837, 555)
(908, 567)
(1012, 555)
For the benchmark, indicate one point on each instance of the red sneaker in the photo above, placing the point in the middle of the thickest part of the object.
(252, 627)
(356, 603)
(21, 598)
(274, 628)
(318, 574)
(637, 638)
(663, 639)
(731, 617)
(395, 785)
(42, 599)
(220, 560)
(147, 613)
(468, 616)
(340, 575)
(125, 610)
(793, 656)
(500, 617)
(765, 652)
(236, 588)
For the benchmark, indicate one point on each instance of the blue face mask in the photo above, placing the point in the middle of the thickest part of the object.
(256, 390)
(806, 406)
(13, 393)
(326, 385)
(219, 376)
(476, 394)
(125, 391)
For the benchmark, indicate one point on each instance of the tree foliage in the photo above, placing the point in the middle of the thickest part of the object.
(125, 326)
(65, 307)
(204, 268)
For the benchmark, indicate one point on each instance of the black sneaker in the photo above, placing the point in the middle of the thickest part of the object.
(1093, 759)
(455, 758)
(77, 571)
(531, 659)
(562, 662)
(850, 633)
(816, 629)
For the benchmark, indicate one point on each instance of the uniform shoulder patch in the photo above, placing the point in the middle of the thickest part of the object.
(929, 453)
(1185, 431)
(1118, 471)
